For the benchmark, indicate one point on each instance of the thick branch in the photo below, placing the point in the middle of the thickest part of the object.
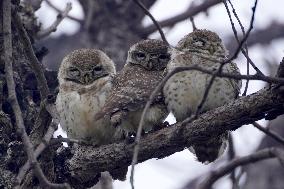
(88, 161)
(192, 11)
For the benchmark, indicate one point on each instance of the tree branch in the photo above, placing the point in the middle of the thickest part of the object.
(257, 156)
(270, 133)
(53, 27)
(261, 36)
(60, 11)
(146, 11)
(191, 12)
(88, 161)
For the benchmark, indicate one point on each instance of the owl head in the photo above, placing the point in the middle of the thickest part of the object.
(84, 66)
(203, 41)
(151, 54)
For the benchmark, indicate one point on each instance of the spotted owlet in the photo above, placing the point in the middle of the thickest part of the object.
(143, 70)
(85, 80)
(184, 90)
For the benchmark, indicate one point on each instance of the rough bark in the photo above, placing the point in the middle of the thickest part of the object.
(87, 161)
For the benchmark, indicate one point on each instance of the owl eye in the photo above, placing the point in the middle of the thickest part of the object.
(199, 43)
(97, 70)
(164, 57)
(140, 56)
(74, 72)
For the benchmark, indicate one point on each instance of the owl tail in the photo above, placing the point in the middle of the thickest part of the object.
(208, 151)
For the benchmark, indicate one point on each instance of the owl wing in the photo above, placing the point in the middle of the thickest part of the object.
(132, 88)
(236, 84)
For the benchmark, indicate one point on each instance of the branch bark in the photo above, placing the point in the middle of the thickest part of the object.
(88, 161)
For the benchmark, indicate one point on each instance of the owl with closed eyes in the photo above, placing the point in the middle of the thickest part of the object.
(143, 71)
(184, 90)
(85, 81)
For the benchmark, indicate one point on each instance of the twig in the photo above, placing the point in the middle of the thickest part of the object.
(199, 108)
(140, 4)
(59, 11)
(231, 156)
(191, 12)
(270, 133)
(261, 36)
(236, 36)
(40, 148)
(53, 27)
(193, 23)
(8, 49)
(252, 158)
(34, 63)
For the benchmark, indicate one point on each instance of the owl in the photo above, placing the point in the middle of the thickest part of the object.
(85, 81)
(184, 91)
(143, 71)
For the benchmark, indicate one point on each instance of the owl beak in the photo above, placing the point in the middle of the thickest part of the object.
(149, 65)
(87, 78)
(211, 49)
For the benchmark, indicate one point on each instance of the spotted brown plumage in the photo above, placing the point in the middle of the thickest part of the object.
(143, 71)
(184, 90)
(85, 80)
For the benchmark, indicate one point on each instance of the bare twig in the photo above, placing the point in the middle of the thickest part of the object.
(231, 156)
(53, 27)
(13, 98)
(60, 11)
(260, 36)
(193, 23)
(146, 11)
(270, 133)
(191, 12)
(236, 36)
(40, 148)
(257, 156)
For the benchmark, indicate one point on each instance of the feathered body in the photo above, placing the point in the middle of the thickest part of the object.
(85, 81)
(134, 84)
(184, 90)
